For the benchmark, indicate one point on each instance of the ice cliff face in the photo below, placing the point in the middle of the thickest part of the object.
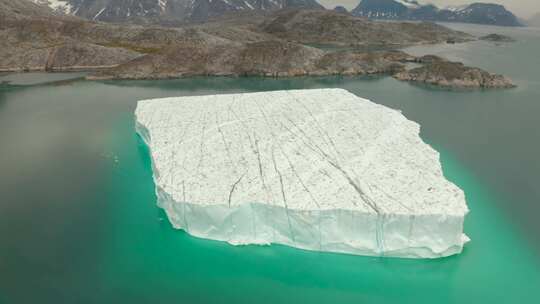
(315, 169)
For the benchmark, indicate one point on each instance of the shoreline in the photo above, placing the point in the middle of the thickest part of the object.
(8, 70)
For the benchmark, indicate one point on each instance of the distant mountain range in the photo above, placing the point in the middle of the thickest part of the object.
(154, 11)
(482, 13)
(180, 10)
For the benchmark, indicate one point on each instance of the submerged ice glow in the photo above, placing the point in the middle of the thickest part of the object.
(314, 169)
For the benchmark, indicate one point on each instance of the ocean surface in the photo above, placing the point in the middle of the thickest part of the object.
(79, 223)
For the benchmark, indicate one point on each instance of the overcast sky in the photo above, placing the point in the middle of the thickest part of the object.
(522, 8)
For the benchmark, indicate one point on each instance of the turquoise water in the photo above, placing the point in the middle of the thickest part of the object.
(78, 221)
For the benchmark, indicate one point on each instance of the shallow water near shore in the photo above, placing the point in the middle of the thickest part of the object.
(79, 223)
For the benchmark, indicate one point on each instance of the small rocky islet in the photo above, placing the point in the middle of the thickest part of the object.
(497, 38)
(440, 72)
(32, 38)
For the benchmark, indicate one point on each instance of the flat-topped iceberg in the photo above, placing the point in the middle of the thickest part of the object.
(318, 169)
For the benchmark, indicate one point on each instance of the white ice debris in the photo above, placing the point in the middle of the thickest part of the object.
(318, 169)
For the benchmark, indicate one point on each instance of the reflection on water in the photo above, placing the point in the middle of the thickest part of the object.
(78, 221)
(35, 78)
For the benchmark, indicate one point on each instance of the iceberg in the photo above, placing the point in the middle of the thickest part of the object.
(319, 170)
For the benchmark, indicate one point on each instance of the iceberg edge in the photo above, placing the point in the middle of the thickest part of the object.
(341, 230)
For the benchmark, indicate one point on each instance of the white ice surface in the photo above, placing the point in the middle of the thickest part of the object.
(314, 169)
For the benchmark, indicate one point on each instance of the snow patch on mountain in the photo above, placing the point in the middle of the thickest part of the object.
(162, 4)
(409, 4)
(62, 6)
(456, 8)
(99, 13)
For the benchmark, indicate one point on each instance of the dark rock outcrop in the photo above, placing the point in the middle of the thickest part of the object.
(497, 38)
(341, 9)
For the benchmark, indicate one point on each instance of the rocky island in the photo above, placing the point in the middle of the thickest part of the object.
(497, 38)
(278, 44)
(319, 170)
(440, 72)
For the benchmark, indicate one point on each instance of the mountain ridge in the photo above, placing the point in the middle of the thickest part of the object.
(480, 13)
(156, 11)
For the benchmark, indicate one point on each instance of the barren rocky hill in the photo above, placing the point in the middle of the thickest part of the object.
(33, 38)
(329, 27)
(167, 11)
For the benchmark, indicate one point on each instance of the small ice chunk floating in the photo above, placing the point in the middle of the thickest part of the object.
(318, 169)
